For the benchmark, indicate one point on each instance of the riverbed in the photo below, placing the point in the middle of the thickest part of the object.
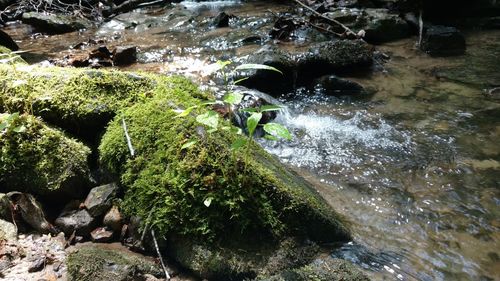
(415, 166)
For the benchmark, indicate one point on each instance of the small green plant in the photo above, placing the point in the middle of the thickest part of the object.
(6, 123)
(210, 119)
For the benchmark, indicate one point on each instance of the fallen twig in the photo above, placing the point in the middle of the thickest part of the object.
(129, 142)
(159, 255)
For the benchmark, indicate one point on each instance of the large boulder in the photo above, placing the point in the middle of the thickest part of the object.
(55, 23)
(41, 160)
(89, 262)
(7, 41)
(78, 221)
(100, 199)
(81, 101)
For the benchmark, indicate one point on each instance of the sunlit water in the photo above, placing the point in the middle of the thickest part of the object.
(415, 167)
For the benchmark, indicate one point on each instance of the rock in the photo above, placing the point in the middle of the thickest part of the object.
(100, 199)
(380, 25)
(101, 234)
(55, 23)
(339, 56)
(81, 101)
(443, 41)
(267, 81)
(7, 41)
(42, 160)
(79, 221)
(113, 219)
(32, 212)
(8, 231)
(5, 207)
(222, 20)
(124, 55)
(38, 264)
(336, 86)
(326, 269)
(88, 262)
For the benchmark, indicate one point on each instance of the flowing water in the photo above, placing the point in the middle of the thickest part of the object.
(415, 167)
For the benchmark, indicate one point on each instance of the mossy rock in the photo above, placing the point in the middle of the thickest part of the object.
(38, 159)
(327, 269)
(89, 262)
(81, 101)
(246, 192)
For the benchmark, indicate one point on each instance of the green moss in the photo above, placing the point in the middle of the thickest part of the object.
(81, 101)
(169, 185)
(91, 262)
(40, 159)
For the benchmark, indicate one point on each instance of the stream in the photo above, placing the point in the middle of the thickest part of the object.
(415, 167)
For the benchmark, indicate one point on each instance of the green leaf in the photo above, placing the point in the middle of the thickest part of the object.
(250, 109)
(233, 98)
(271, 137)
(253, 121)
(186, 111)
(223, 63)
(210, 119)
(270, 107)
(256, 66)
(277, 130)
(19, 129)
(238, 143)
(208, 201)
(188, 144)
(3, 125)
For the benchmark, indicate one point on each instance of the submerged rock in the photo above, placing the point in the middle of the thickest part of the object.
(7, 41)
(55, 23)
(41, 160)
(443, 41)
(89, 262)
(100, 199)
(336, 86)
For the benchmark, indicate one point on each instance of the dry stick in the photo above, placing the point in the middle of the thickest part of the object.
(129, 142)
(420, 28)
(346, 29)
(159, 255)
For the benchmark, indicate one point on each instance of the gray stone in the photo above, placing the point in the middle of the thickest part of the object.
(100, 199)
(37, 264)
(55, 23)
(32, 213)
(101, 234)
(443, 41)
(113, 219)
(8, 231)
(79, 221)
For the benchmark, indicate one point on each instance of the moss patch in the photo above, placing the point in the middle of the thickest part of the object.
(38, 159)
(89, 262)
(171, 185)
(6, 57)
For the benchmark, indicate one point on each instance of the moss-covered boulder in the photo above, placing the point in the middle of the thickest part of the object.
(207, 191)
(41, 160)
(82, 101)
(89, 262)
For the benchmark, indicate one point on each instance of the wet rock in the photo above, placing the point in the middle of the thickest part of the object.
(7, 41)
(78, 221)
(100, 199)
(270, 81)
(222, 20)
(88, 262)
(325, 269)
(38, 264)
(380, 25)
(32, 212)
(240, 260)
(443, 41)
(55, 23)
(101, 234)
(113, 219)
(8, 231)
(336, 86)
(124, 55)
(5, 207)
(339, 56)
